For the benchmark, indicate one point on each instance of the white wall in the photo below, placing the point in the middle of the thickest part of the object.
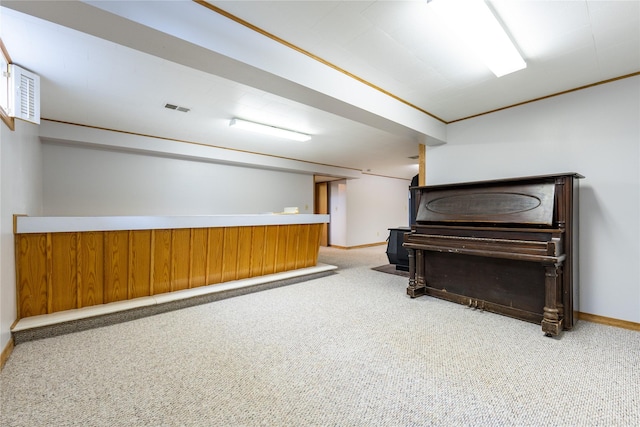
(595, 132)
(375, 204)
(20, 193)
(362, 210)
(93, 181)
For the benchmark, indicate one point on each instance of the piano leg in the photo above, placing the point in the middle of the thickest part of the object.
(416, 284)
(553, 317)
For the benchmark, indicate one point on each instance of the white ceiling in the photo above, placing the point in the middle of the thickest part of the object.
(402, 75)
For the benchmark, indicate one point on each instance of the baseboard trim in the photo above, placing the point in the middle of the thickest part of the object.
(369, 245)
(6, 352)
(625, 324)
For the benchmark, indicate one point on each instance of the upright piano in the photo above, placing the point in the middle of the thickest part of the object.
(508, 246)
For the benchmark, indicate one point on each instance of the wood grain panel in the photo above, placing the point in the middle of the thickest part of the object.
(64, 264)
(312, 239)
(198, 257)
(61, 271)
(31, 274)
(91, 269)
(116, 265)
(270, 248)
(49, 264)
(292, 246)
(139, 263)
(258, 247)
(313, 244)
(180, 258)
(215, 255)
(230, 254)
(78, 270)
(301, 254)
(320, 228)
(281, 248)
(303, 245)
(245, 244)
(161, 261)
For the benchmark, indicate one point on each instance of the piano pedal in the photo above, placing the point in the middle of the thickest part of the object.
(475, 305)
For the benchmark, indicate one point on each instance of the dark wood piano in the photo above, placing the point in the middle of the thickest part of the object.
(506, 246)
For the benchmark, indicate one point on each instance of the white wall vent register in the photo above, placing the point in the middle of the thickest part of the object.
(23, 94)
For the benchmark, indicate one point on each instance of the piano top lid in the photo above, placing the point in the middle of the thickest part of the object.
(512, 202)
(505, 180)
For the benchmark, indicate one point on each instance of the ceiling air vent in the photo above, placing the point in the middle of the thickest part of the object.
(24, 94)
(177, 108)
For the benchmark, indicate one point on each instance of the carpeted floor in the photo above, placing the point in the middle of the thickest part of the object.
(349, 349)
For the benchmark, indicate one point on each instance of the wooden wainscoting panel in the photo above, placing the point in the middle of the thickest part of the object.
(180, 258)
(161, 280)
(49, 269)
(198, 257)
(116, 265)
(303, 245)
(313, 244)
(215, 255)
(245, 244)
(270, 249)
(31, 274)
(281, 250)
(292, 246)
(78, 269)
(230, 254)
(64, 278)
(62, 271)
(139, 263)
(258, 246)
(90, 268)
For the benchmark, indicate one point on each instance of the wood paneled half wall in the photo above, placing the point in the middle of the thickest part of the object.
(69, 269)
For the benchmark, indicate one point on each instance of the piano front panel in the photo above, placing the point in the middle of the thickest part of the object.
(512, 287)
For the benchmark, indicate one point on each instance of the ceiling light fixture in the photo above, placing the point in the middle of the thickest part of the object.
(478, 27)
(269, 130)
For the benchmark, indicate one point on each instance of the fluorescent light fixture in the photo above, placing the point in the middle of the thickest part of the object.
(268, 130)
(476, 25)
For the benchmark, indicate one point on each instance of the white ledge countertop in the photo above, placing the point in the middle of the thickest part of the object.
(61, 224)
